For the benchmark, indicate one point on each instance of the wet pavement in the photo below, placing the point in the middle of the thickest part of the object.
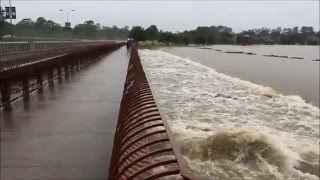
(66, 133)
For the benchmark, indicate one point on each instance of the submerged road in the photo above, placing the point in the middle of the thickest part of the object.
(66, 133)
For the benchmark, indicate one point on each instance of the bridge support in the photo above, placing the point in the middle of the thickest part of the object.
(5, 94)
(84, 63)
(59, 74)
(25, 89)
(72, 67)
(81, 63)
(66, 71)
(77, 65)
(50, 78)
(39, 81)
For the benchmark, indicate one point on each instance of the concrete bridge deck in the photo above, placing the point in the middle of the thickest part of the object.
(67, 132)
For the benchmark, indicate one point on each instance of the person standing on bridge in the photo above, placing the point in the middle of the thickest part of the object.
(129, 42)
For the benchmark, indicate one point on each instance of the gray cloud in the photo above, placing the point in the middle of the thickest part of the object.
(177, 15)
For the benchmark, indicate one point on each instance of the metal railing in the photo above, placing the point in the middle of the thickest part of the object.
(16, 47)
(143, 145)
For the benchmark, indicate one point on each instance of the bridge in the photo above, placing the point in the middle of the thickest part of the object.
(81, 110)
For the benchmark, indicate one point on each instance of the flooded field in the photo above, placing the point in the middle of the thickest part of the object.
(231, 128)
(287, 76)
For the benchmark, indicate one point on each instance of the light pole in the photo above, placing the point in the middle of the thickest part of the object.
(10, 14)
(67, 13)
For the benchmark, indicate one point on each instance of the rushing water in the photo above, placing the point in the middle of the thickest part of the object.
(231, 128)
(285, 75)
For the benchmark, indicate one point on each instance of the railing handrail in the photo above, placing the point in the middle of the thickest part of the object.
(15, 47)
(17, 60)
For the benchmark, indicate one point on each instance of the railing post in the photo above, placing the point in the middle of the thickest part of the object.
(80, 63)
(77, 65)
(25, 88)
(59, 73)
(66, 71)
(32, 46)
(87, 61)
(5, 94)
(84, 62)
(50, 77)
(39, 81)
(72, 66)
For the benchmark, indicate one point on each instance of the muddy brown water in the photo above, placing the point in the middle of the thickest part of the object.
(285, 75)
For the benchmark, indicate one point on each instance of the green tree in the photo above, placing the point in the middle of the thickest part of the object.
(2, 22)
(312, 40)
(40, 23)
(275, 34)
(307, 30)
(52, 28)
(200, 39)
(290, 36)
(26, 27)
(166, 37)
(138, 33)
(185, 40)
(308, 35)
(115, 33)
(152, 33)
(87, 30)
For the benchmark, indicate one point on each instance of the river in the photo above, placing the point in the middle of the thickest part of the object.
(230, 128)
(285, 75)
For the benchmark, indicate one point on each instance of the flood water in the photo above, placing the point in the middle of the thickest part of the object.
(285, 75)
(306, 52)
(229, 128)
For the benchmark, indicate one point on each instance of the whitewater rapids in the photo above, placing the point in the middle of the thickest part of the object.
(230, 128)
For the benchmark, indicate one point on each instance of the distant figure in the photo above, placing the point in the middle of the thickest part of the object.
(129, 43)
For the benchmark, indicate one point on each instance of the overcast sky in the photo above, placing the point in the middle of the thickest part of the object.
(176, 15)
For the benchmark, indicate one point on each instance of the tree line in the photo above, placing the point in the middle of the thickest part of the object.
(42, 28)
(224, 35)
(202, 35)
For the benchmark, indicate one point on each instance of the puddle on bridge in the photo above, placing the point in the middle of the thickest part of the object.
(66, 133)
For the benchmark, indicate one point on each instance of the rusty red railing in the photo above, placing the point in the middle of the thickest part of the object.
(143, 146)
(15, 47)
(18, 59)
(23, 73)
